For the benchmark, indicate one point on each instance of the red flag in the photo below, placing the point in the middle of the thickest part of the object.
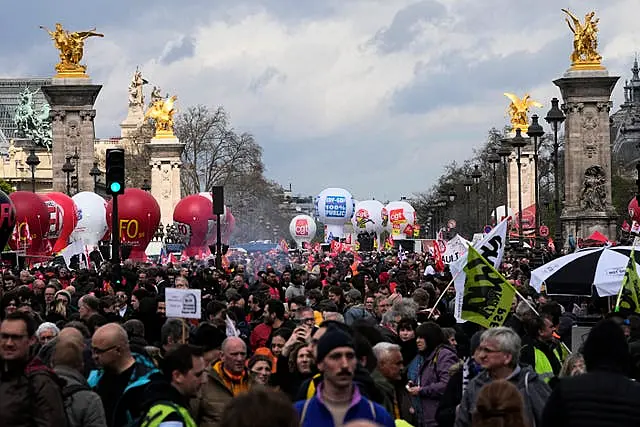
(437, 255)
(625, 226)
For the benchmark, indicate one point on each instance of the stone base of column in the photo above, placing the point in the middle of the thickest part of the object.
(165, 153)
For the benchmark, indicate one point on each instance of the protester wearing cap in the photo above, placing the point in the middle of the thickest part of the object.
(337, 399)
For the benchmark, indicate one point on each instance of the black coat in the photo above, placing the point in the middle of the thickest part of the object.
(595, 399)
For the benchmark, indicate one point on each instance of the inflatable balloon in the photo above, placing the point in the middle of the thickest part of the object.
(138, 220)
(334, 208)
(228, 227)
(302, 229)
(367, 217)
(92, 219)
(55, 221)
(7, 219)
(634, 210)
(194, 216)
(69, 219)
(402, 217)
(32, 223)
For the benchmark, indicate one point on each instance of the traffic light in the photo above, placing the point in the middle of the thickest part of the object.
(115, 171)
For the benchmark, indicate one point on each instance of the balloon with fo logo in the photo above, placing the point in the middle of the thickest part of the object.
(92, 219)
(138, 220)
(334, 208)
(303, 229)
(56, 214)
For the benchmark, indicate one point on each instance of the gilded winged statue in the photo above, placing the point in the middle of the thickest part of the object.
(70, 46)
(518, 110)
(585, 40)
(161, 112)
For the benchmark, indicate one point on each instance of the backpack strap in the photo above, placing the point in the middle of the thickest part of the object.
(304, 412)
(72, 389)
(373, 409)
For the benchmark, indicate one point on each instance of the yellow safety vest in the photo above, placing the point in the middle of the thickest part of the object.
(543, 366)
(160, 411)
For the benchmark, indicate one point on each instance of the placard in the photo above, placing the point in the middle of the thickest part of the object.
(183, 303)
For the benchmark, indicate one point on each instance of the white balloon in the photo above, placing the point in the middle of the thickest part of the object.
(401, 214)
(334, 208)
(302, 229)
(92, 218)
(367, 217)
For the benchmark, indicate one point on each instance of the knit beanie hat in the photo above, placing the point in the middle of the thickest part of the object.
(331, 340)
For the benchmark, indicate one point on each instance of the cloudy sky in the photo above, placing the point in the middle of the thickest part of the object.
(371, 95)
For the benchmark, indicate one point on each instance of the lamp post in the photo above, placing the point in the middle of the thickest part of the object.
(493, 160)
(536, 132)
(504, 152)
(476, 175)
(68, 169)
(518, 142)
(33, 161)
(76, 160)
(146, 186)
(95, 172)
(468, 183)
(555, 117)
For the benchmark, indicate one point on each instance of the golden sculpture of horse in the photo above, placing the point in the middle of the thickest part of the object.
(161, 112)
(518, 110)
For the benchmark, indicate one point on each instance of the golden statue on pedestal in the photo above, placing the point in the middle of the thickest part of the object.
(518, 111)
(71, 47)
(585, 41)
(161, 111)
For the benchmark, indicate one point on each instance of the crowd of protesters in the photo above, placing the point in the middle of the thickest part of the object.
(302, 340)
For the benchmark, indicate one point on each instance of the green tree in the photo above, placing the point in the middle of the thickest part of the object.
(5, 186)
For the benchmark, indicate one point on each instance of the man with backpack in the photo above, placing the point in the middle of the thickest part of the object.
(30, 392)
(183, 374)
(83, 406)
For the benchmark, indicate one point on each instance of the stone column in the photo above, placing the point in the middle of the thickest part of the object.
(72, 126)
(527, 177)
(165, 165)
(587, 154)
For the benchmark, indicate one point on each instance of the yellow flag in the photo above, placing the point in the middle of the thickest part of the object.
(487, 295)
(630, 289)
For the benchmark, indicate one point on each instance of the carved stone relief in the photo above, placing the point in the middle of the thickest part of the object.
(594, 194)
(590, 135)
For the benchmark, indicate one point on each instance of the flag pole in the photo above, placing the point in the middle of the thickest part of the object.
(444, 291)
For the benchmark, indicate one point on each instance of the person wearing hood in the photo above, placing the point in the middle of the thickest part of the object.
(294, 287)
(602, 397)
(499, 356)
(183, 370)
(428, 373)
(83, 406)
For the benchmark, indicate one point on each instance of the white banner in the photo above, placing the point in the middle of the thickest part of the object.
(183, 303)
(491, 247)
(456, 248)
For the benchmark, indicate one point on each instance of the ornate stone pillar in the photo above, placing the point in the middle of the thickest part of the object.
(72, 124)
(165, 174)
(587, 153)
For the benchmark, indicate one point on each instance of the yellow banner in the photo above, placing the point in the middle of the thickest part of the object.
(487, 295)
(628, 296)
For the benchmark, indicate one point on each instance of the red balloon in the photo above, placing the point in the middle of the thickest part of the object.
(55, 222)
(228, 227)
(69, 218)
(138, 218)
(193, 215)
(32, 223)
(634, 210)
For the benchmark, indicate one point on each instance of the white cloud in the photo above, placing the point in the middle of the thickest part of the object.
(296, 79)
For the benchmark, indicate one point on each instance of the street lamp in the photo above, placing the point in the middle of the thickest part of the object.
(452, 195)
(68, 169)
(518, 142)
(468, 183)
(555, 117)
(76, 160)
(33, 161)
(504, 152)
(146, 186)
(536, 132)
(476, 175)
(95, 172)
(493, 160)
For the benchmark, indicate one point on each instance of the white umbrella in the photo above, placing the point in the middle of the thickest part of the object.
(577, 273)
